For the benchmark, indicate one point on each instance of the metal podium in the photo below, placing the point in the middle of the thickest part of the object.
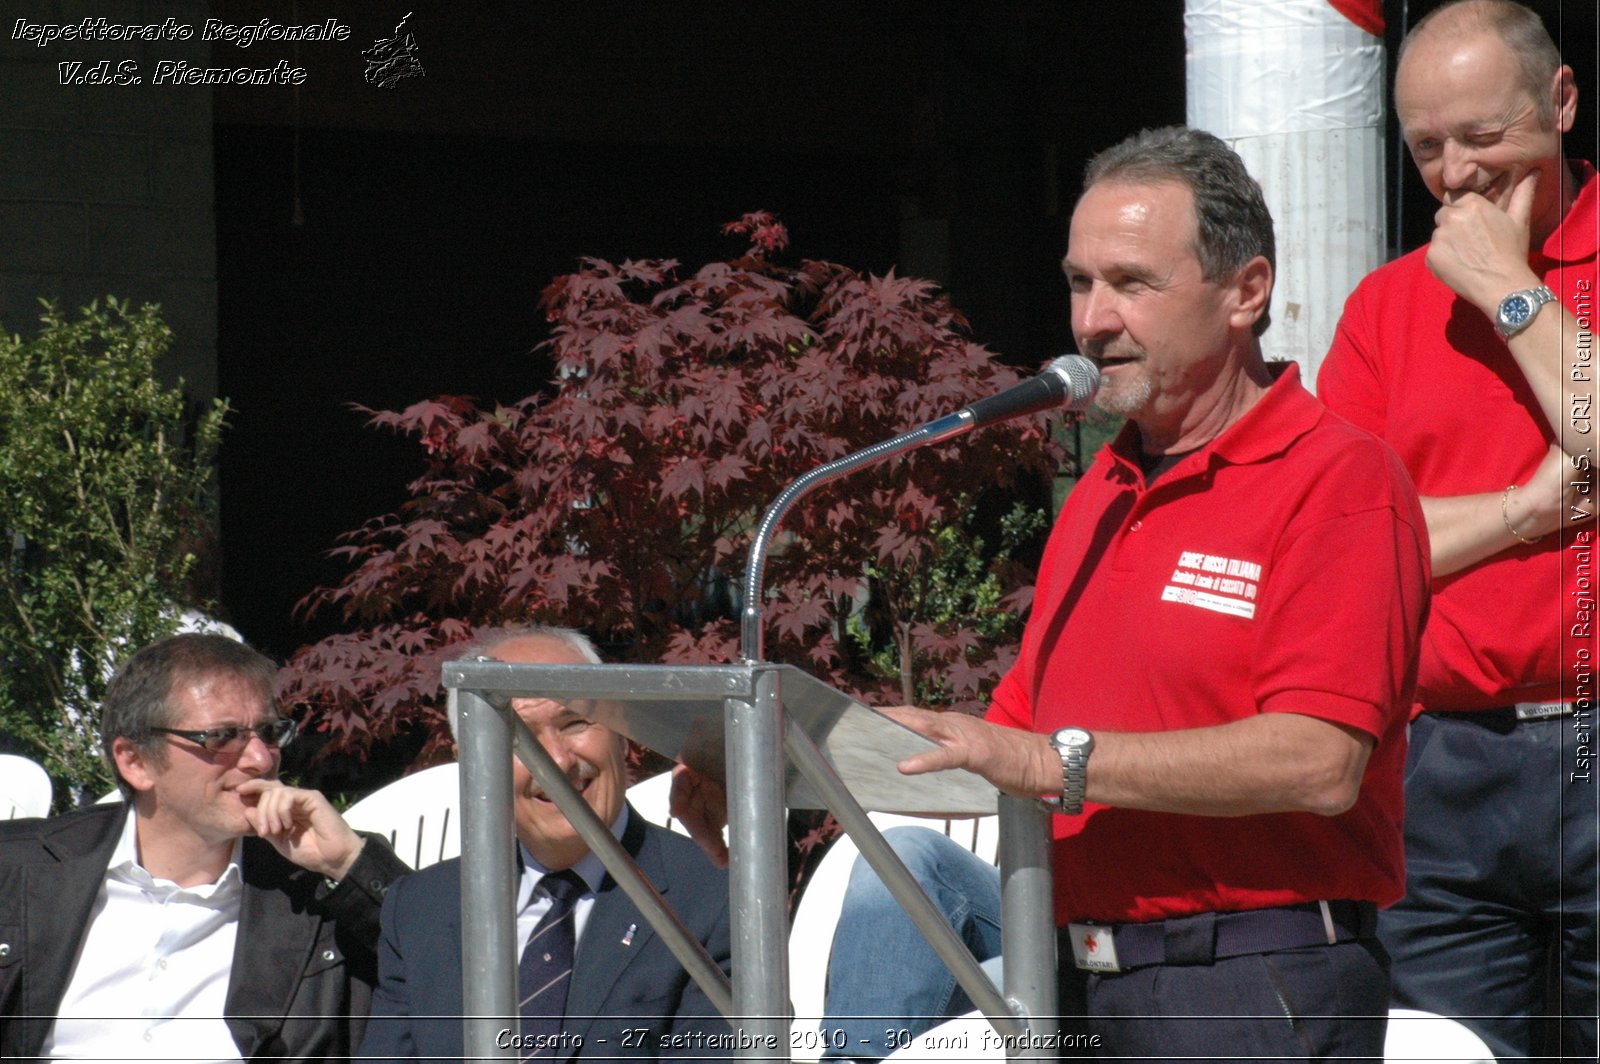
(779, 738)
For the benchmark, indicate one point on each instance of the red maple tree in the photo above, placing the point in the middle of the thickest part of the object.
(621, 500)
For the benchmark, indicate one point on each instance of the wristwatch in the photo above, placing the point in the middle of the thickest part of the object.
(1519, 308)
(1074, 745)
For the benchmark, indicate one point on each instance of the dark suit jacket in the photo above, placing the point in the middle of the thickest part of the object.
(303, 965)
(625, 998)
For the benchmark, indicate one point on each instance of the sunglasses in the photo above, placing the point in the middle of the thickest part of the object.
(233, 738)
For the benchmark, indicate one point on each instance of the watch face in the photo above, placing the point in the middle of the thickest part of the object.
(1070, 737)
(1515, 310)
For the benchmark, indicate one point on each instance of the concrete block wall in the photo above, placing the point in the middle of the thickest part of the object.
(108, 189)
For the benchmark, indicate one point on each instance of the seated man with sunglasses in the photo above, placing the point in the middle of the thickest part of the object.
(215, 914)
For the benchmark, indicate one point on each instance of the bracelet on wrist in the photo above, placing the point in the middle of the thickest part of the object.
(1505, 496)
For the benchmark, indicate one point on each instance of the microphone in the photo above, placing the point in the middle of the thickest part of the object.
(1070, 381)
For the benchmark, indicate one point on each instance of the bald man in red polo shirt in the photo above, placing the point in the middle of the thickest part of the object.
(1474, 358)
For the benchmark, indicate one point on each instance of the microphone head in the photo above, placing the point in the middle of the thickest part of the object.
(1079, 376)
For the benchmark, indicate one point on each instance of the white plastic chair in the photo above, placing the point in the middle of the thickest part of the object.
(1415, 1037)
(653, 800)
(817, 916)
(419, 814)
(25, 788)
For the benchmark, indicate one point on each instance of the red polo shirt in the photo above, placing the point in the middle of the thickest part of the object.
(1424, 370)
(1281, 568)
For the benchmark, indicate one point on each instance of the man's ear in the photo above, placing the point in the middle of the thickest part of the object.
(1253, 288)
(133, 764)
(1565, 91)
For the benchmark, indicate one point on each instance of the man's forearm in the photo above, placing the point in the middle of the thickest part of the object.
(1542, 352)
(1269, 763)
(357, 899)
(1463, 530)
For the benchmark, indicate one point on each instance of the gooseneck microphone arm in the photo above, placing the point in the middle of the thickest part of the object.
(751, 635)
(1069, 381)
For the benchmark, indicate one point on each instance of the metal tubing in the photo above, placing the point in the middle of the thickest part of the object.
(488, 942)
(507, 680)
(751, 637)
(1027, 922)
(597, 834)
(757, 733)
(900, 882)
(758, 872)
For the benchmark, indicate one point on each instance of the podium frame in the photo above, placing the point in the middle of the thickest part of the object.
(762, 746)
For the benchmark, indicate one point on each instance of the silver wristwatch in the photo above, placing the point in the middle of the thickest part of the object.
(1074, 745)
(1517, 310)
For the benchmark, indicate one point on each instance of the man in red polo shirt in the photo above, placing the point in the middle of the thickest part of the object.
(1217, 670)
(1473, 357)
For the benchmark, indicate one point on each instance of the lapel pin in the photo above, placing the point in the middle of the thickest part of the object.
(627, 939)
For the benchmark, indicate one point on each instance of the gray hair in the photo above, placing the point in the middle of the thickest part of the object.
(1519, 28)
(1232, 223)
(487, 640)
(139, 697)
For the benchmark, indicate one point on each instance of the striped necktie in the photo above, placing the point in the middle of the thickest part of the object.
(545, 972)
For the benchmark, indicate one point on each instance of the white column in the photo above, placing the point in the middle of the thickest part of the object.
(1297, 89)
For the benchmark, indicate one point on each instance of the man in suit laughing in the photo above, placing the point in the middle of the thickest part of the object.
(594, 979)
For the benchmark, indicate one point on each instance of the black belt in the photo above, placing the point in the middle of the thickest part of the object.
(1503, 718)
(1207, 937)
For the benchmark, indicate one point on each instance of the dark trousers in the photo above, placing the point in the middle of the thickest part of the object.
(1312, 1004)
(1500, 878)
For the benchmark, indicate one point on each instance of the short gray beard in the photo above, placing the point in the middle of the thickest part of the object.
(1125, 402)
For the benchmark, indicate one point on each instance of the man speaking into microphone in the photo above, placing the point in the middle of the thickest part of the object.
(1215, 677)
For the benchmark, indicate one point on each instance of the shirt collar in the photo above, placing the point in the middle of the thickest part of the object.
(591, 870)
(1577, 238)
(1284, 413)
(125, 868)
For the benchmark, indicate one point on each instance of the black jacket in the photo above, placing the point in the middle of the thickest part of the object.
(304, 963)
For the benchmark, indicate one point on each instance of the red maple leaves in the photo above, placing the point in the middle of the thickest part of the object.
(621, 499)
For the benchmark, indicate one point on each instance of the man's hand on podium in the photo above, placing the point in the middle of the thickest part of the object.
(701, 805)
(1017, 762)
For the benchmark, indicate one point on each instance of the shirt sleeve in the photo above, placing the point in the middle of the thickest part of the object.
(1010, 706)
(1350, 382)
(1344, 619)
(355, 901)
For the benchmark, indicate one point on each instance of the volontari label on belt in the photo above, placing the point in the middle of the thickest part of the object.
(1092, 948)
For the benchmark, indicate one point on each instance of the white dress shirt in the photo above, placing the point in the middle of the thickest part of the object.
(531, 905)
(151, 979)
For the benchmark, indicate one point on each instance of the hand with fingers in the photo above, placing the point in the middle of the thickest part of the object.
(701, 805)
(1481, 251)
(1019, 763)
(303, 826)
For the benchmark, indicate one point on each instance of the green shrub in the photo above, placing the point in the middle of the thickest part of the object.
(105, 488)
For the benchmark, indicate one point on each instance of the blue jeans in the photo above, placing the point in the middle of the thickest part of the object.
(1500, 879)
(885, 983)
